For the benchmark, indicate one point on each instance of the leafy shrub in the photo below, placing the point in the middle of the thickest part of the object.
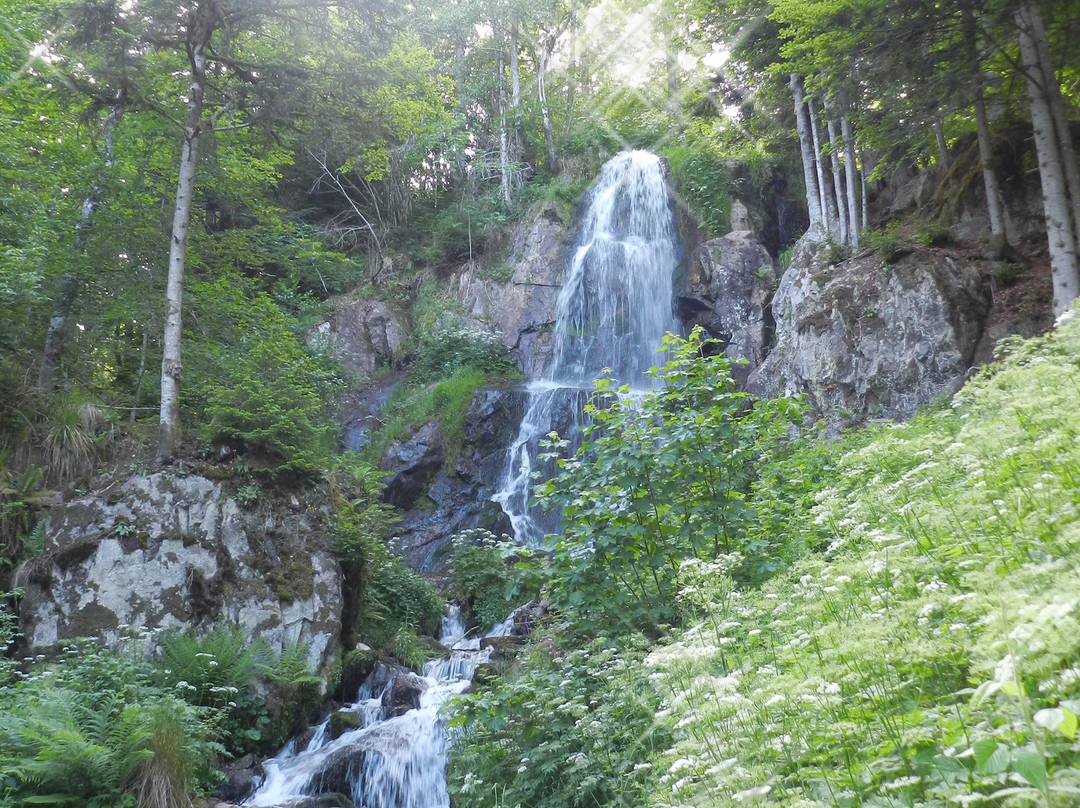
(704, 182)
(480, 575)
(562, 730)
(658, 479)
(272, 404)
(448, 348)
(890, 244)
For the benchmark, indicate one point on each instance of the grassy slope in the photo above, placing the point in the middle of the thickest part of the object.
(908, 663)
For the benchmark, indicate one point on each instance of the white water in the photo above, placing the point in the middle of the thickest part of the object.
(616, 304)
(396, 762)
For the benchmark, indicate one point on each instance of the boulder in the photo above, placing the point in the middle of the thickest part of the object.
(726, 292)
(862, 338)
(174, 551)
(241, 778)
(363, 334)
(522, 310)
(459, 498)
(411, 464)
(403, 694)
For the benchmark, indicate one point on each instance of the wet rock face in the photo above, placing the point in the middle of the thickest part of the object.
(364, 335)
(411, 464)
(726, 292)
(459, 498)
(522, 310)
(863, 339)
(177, 552)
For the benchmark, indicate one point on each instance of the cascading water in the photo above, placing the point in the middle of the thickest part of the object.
(387, 761)
(616, 304)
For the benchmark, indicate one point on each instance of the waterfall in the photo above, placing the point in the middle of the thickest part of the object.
(387, 761)
(616, 304)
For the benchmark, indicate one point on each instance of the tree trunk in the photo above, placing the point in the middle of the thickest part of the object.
(70, 282)
(504, 140)
(1059, 230)
(1061, 121)
(834, 150)
(942, 144)
(541, 92)
(986, 157)
(515, 87)
(142, 374)
(171, 367)
(866, 169)
(574, 73)
(850, 168)
(828, 210)
(806, 149)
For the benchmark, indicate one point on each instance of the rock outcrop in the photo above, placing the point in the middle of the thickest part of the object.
(726, 291)
(522, 310)
(861, 338)
(458, 496)
(169, 551)
(363, 334)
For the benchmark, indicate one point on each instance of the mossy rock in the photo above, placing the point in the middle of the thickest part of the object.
(342, 722)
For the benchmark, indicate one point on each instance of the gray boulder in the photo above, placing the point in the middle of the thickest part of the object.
(363, 334)
(861, 338)
(167, 551)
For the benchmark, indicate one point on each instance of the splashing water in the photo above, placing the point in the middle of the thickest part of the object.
(616, 304)
(388, 761)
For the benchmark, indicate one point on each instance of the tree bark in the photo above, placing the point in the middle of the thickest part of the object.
(1059, 229)
(515, 86)
(986, 157)
(1061, 120)
(828, 210)
(838, 188)
(70, 282)
(200, 32)
(942, 144)
(574, 73)
(850, 169)
(541, 92)
(504, 139)
(806, 149)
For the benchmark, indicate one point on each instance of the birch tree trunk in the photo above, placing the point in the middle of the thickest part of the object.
(850, 168)
(70, 282)
(575, 71)
(1059, 229)
(942, 144)
(515, 87)
(205, 16)
(986, 157)
(504, 140)
(828, 210)
(834, 150)
(541, 94)
(806, 149)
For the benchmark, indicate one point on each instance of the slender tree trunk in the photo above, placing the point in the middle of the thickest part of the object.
(504, 139)
(574, 73)
(672, 64)
(70, 282)
(541, 93)
(806, 149)
(171, 367)
(515, 87)
(142, 374)
(838, 187)
(862, 179)
(942, 144)
(828, 210)
(850, 169)
(1059, 229)
(986, 157)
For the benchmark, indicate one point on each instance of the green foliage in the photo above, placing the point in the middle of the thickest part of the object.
(91, 729)
(891, 244)
(389, 602)
(704, 182)
(658, 479)
(927, 654)
(451, 347)
(271, 402)
(482, 580)
(563, 729)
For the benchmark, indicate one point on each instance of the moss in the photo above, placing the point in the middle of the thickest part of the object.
(342, 722)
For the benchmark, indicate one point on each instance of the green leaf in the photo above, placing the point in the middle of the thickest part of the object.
(990, 757)
(1030, 765)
